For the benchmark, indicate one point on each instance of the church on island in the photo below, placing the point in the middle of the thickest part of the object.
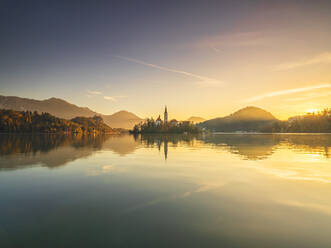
(159, 122)
(164, 126)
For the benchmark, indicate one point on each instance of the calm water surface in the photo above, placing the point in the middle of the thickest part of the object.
(221, 190)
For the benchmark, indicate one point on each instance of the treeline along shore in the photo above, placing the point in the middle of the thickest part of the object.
(150, 126)
(246, 120)
(252, 119)
(27, 122)
(319, 122)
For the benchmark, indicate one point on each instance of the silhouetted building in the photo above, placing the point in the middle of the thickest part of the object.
(158, 121)
(174, 122)
(165, 115)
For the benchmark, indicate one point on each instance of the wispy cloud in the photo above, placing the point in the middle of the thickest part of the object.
(324, 58)
(94, 92)
(203, 81)
(110, 98)
(287, 92)
(114, 98)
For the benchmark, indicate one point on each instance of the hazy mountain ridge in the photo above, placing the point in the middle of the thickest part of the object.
(122, 119)
(251, 113)
(246, 119)
(196, 119)
(63, 109)
(54, 106)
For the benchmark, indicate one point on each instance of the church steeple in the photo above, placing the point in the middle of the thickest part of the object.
(165, 115)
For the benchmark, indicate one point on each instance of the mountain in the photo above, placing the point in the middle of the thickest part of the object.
(63, 109)
(54, 106)
(195, 119)
(248, 119)
(122, 119)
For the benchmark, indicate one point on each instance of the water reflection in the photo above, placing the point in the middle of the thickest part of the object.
(261, 146)
(19, 151)
(163, 140)
(53, 150)
(247, 146)
(224, 190)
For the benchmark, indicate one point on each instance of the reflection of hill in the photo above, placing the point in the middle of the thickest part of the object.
(48, 150)
(260, 146)
(250, 146)
(121, 144)
(53, 150)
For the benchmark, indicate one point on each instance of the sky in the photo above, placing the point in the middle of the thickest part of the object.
(200, 58)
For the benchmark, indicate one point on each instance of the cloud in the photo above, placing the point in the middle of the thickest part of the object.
(91, 93)
(203, 81)
(114, 98)
(109, 98)
(94, 92)
(324, 58)
(287, 92)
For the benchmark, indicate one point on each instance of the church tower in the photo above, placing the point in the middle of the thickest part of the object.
(165, 115)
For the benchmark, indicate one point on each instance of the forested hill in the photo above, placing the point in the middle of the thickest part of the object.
(250, 119)
(27, 121)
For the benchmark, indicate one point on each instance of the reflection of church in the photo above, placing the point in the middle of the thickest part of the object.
(165, 147)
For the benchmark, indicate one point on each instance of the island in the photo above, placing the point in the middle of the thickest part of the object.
(150, 126)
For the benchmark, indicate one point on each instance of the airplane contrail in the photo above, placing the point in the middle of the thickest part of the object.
(286, 92)
(203, 80)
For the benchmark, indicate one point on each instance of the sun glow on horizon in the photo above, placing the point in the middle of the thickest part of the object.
(312, 110)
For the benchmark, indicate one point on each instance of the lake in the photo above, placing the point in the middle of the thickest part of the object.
(217, 190)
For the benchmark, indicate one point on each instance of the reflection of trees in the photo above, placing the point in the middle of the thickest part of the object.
(14, 143)
(250, 146)
(260, 146)
(50, 150)
(313, 143)
(53, 150)
(175, 139)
